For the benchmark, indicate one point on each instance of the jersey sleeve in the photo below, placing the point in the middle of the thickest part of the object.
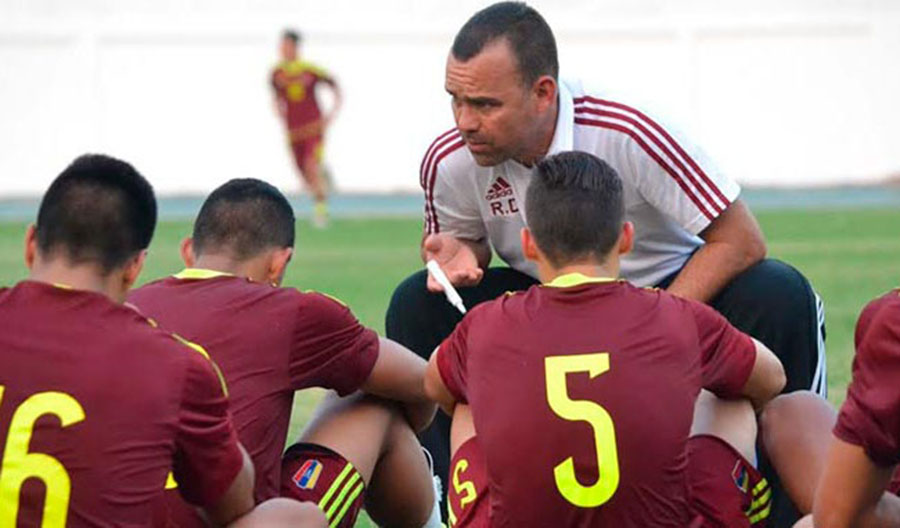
(207, 458)
(675, 176)
(451, 360)
(451, 204)
(331, 348)
(727, 355)
(870, 416)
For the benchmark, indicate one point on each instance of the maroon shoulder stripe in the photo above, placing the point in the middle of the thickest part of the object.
(667, 136)
(663, 147)
(625, 130)
(432, 226)
(430, 152)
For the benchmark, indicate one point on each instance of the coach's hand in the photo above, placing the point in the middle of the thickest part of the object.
(461, 260)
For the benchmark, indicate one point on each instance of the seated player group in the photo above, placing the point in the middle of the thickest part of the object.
(584, 401)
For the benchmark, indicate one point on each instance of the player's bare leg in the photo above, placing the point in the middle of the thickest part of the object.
(373, 435)
(312, 175)
(731, 420)
(795, 431)
(284, 513)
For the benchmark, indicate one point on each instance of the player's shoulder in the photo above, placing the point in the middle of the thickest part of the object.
(446, 153)
(879, 323)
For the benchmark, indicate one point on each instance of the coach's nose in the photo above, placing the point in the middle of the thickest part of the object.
(466, 120)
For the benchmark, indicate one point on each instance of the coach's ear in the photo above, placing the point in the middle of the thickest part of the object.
(30, 245)
(529, 246)
(187, 252)
(278, 262)
(626, 238)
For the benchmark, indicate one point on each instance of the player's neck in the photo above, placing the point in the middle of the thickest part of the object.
(605, 270)
(84, 277)
(250, 269)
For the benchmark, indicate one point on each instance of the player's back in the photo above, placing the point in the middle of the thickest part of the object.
(561, 377)
(268, 342)
(90, 403)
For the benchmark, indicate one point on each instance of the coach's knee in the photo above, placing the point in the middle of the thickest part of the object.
(770, 285)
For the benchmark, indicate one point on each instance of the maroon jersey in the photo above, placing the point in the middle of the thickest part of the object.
(582, 394)
(295, 83)
(870, 417)
(96, 407)
(269, 342)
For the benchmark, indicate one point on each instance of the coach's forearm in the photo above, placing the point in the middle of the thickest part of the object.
(710, 269)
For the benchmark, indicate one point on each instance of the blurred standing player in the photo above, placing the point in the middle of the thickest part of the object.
(270, 342)
(97, 405)
(582, 390)
(294, 82)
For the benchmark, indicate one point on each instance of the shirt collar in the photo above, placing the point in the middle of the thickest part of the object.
(199, 273)
(565, 122)
(576, 279)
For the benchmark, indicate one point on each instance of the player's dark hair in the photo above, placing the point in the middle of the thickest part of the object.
(528, 34)
(574, 207)
(244, 217)
(293, 35)
(99, 210)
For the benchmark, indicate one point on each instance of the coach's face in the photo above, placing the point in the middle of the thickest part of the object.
(497, 115)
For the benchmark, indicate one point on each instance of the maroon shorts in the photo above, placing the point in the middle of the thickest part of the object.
(467, 497)
(305, 150)
(726, 490)
(312, 473)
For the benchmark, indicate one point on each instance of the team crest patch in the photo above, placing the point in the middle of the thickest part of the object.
(308, 475)
(741, 477)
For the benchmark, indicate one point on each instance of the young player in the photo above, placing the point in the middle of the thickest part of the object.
(97, 405)
(294, 82)
(864, 451)
(271, 341)
(582, 390)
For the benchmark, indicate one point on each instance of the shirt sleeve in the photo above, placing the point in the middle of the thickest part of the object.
(451, 360)
(207, 458)
(727, 355)
(675, 176)
(451, 204)
(870, 416)
(331, 348)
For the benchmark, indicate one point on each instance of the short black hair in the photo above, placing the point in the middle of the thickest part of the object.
(99, 210)
(292, 34)
(528, 34)
(574, 207)
(244, 217)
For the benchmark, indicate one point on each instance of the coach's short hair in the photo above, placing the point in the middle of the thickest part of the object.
(244, 217)
(99, 210)
(574, 207)
(528, 34)
(293, 35)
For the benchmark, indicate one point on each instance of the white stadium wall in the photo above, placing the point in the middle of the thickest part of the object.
(779, 92)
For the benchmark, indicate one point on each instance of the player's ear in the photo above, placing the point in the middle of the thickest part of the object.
(626, 238)
(30, 245)
(278, 265)
(529, 246)
(187, 252)
(133, 270)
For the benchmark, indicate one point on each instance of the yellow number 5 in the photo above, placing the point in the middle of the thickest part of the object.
(556, 368)
(18, 465)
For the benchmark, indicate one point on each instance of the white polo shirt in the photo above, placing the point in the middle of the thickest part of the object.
(672, 191)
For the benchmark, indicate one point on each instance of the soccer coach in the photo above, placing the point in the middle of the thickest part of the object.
(693, 234)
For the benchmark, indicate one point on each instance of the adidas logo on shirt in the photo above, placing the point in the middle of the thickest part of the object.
(499, 189)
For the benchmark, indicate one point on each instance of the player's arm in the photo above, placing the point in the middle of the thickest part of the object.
(435, 388)
(851, 491)
(767, 378)
(338, 99)
(238, 499)
(733, 243)
(398, 375)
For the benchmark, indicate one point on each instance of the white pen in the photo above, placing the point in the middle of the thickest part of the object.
(449, 291)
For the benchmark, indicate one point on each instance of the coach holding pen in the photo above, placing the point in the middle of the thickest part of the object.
(693, 234)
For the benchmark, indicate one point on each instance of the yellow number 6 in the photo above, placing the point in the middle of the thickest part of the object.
(18, 465)
(556, 368)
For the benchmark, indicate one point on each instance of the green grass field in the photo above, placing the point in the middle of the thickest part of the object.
(851, 256)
